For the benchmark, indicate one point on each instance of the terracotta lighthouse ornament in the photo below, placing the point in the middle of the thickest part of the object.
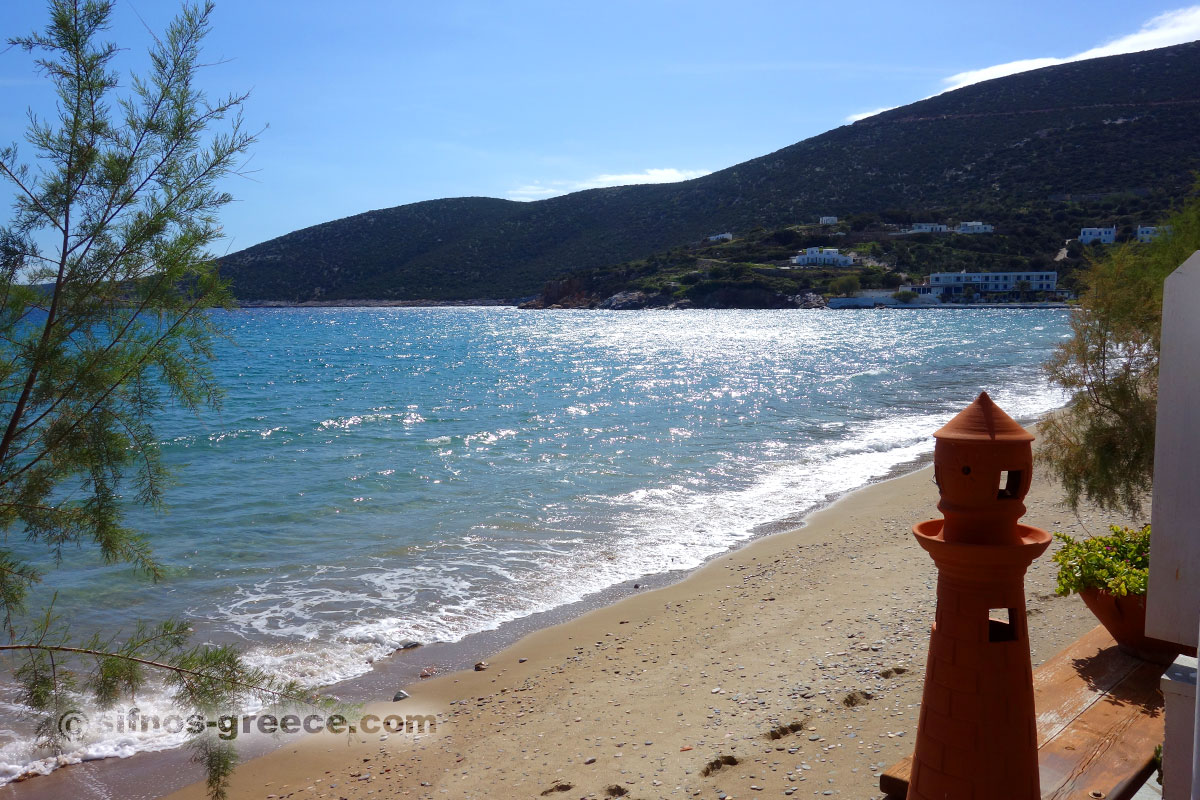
(977, 735)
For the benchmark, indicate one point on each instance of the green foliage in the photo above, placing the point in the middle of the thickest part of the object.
(845, 285)
(905, 296)
(1118, 563)
(105, 328)
(105, 286)
(218, 758)
(1101, 446)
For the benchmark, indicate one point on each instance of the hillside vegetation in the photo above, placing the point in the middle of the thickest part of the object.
(1034, 154)
(755, 270)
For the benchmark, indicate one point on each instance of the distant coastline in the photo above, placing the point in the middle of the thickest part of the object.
(962, 306)
(375, 303)
(517, 302)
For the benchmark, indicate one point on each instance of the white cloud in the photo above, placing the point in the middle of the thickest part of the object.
(668, 175)
(539, 190)
(532, 192)
(1172, 27)
(865, 114)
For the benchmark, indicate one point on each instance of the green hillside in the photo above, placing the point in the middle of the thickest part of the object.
(1042, 150)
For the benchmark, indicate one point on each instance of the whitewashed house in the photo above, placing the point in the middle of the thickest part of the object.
(929, 227)
(1102, 235)
(831, 220)
(1148, 233)
(974, 227)
(824, 256)
(720, 237)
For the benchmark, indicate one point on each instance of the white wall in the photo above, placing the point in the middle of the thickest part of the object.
(1102, 235)
(1178, 686)
(1173, 602)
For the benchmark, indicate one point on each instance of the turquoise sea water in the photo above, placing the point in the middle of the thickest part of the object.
(379, 475)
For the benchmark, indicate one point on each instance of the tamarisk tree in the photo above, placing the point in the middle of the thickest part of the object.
(106, 293)
(1101, 446)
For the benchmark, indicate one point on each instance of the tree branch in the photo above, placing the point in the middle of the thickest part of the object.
(51, 648)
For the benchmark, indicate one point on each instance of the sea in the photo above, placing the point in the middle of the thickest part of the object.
(376, 476)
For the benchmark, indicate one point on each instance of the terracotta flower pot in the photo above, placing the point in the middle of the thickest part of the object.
(1125, 620)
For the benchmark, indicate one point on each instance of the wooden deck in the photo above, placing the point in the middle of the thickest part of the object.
(1100, 716)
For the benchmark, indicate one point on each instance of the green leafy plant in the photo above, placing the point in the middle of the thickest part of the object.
(1118, 563)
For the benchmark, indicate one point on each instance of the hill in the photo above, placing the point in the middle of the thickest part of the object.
(1019, 149)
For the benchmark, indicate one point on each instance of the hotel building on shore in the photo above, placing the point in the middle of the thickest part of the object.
(956, 285)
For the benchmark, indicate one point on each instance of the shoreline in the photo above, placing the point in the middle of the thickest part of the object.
(642, 694)
(698, 669)
(168, 770)
(476, 303)
(125, 776)
(401, 668)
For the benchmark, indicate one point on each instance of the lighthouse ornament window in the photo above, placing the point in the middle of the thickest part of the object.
(977, 734)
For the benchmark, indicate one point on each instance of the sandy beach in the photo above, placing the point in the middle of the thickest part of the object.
(792, 666)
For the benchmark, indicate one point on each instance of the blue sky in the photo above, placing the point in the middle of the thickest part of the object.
(376, 104)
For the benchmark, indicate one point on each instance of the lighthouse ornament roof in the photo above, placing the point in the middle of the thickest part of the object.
(983, 421)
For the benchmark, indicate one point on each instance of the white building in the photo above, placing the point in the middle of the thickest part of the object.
(958, 284)
(867, 298)
(829, 220)
(1148, 233)
(929, 227)
(827, 256)
(922, 291)
(720, 237)
(974, 227)
(1102, 235)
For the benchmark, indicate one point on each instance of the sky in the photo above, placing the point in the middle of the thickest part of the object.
(368, 105)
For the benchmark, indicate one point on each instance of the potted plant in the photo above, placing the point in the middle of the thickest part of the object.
(1110, 574)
